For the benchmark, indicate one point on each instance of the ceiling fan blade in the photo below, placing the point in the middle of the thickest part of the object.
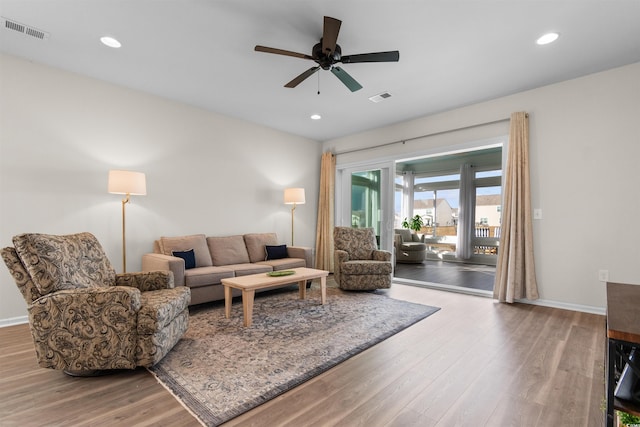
(265, 49)
(345, 78)
(392, 56)
(330, 34)
(302, 77)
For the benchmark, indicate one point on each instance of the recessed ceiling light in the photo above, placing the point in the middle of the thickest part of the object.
(316, 117)
(548, 38)
(110, 41)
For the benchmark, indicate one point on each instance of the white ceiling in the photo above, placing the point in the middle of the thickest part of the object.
(452, 53)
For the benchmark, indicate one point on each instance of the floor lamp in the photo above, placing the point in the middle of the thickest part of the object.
(128, 183)
(293, 196)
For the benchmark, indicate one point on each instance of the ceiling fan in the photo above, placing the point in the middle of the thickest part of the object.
(328, 53)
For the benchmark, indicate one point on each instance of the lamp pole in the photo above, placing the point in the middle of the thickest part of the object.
(128, 183)
(293, 208)
(124, 244)
(294, 197)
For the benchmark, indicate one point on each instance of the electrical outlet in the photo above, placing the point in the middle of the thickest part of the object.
(603, 275)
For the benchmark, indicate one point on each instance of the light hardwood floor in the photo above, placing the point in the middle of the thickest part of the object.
(474, 363)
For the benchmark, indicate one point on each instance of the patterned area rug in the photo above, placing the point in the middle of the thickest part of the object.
(221, 369)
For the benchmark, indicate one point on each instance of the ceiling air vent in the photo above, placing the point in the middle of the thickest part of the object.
(380, 97)
(10, 24)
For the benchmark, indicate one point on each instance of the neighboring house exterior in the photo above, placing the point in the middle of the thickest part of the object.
(443, 215)
(488, 210)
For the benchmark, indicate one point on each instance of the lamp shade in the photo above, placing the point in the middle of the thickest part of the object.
(294, 196)
(127, 182)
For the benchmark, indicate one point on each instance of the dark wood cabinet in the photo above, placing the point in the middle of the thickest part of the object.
(623, 336)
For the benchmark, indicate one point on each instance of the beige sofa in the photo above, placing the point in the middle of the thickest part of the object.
(217, 258)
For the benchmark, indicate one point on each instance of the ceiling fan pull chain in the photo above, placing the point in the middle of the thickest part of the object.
(318, 83)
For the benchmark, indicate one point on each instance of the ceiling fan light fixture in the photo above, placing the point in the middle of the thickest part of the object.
(315, 117)
(110, 41)
(547, 38)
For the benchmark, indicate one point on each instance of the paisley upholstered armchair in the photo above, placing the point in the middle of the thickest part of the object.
(358, 264)
(83, 316)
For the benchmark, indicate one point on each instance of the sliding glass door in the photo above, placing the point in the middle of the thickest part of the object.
(431, 187)
(364, 200)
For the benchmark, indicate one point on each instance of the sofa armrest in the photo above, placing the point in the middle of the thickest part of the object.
(156, 262)
(381, 255)
(146, 280)
(303, 253)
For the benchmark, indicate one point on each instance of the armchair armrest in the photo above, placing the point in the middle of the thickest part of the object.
(379, 255)
(58, 303)
(301, 252)
(155, 262)
(101, 321)
(341, 256)
(146, 280)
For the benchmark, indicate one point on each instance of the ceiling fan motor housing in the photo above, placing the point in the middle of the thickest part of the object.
(326, 60)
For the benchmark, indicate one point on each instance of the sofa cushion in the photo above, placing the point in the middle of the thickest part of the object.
(284, 263)
(197, 242)
(256, 242)
(189, 258)
(206, 276)
(248, 268)
(275, 252)
(64, 262)
(227, 250)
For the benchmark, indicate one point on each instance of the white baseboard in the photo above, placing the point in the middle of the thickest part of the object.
(566, 306)
(14, 321)
(488, 294)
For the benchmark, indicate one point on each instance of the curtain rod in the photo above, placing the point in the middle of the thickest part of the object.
(423, 136)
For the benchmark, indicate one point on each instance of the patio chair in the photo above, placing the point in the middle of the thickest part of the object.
(409, 247)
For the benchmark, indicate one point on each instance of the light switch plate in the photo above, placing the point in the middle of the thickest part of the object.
(537, 214)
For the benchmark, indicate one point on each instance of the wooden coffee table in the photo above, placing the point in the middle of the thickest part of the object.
(249, 284)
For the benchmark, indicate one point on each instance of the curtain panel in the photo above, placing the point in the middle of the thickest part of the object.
(515, 269)
(467, 212)
(324, 228)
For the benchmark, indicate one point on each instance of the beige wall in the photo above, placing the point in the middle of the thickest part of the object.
(60, 133)
(585, 150)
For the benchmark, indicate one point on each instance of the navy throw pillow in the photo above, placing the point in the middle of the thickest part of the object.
(189, 258)
(276, 252)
